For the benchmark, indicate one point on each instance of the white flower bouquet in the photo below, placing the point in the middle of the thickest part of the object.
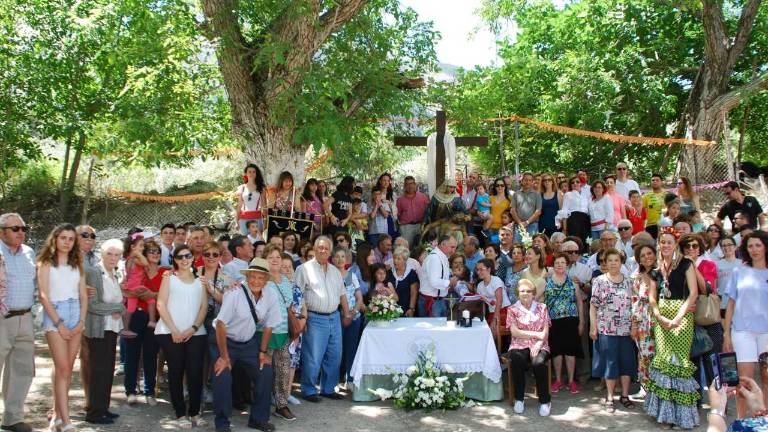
(426, 385)
(383, 308)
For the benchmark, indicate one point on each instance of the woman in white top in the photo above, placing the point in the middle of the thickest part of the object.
(600, 210)
(182, 304)
(725, 267)
(575, 211)
(61, 282)
(491, 289)
(249, 199)
(102, 325)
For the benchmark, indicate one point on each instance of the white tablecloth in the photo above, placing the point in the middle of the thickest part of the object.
(385, 350)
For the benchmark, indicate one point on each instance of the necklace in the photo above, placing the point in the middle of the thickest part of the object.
(666, 269)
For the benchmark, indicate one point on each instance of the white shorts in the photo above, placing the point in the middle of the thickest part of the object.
(748, 345)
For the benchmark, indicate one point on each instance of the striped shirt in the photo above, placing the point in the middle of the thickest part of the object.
(322, 289)
(21, 277)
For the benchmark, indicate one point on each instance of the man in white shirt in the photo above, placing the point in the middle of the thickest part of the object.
(624, 243)
(436, 280)
(243, 328)
(624, 184)
(242, 253)
(607, 241)
(323, 288)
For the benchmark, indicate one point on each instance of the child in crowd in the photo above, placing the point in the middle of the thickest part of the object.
(483, 202)
(136, 278)
(636, 213)
(381, 287)
(506, 219)
(253, 231)
(673, 211)
(696, 223)
(356, 223)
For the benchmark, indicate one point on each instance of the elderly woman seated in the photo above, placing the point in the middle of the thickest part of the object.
(528, 323)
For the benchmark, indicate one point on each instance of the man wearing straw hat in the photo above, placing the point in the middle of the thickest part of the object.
(243, 328)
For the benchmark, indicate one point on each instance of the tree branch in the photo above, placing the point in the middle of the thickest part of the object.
(743, 31)
(733, 98)
(359, 95)
(334, 18)
(715, 35)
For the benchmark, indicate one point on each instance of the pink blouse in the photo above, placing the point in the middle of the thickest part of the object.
(528, 320)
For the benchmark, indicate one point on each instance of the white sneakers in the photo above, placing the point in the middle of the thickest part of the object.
(544, 409)
(131, 399)
(151, 401)
(519, 407)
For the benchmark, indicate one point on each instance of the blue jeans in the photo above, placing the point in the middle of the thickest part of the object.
(439, 308)
(246, 353)
(144, 341)
(321, 351)
(350, 341)
(532, 228)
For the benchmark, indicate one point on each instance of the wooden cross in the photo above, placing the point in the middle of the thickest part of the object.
(440, 148)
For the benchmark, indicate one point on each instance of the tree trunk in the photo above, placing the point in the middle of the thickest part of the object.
(256, 90)
(87, 199)
(65, 167)
(69, 187)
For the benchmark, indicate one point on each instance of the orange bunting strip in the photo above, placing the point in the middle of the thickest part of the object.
(166, 198)
(315, 164)
(630, 139)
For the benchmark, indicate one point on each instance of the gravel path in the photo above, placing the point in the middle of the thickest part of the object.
(569, 413)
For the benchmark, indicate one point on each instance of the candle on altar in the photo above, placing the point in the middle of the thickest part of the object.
(293, 198)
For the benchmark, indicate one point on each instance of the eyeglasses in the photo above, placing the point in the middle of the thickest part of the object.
(625, 228)
(621, 168)
(211, 254)
(692, 246)
(341, 239)
(153, 251)
(184, 256)
(17, 228)
(571, 252)
(86, 235)
(575, 182)
(713, 230)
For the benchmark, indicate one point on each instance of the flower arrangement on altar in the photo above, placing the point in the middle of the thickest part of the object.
(525, 238)
(383, 308)
(426, 385)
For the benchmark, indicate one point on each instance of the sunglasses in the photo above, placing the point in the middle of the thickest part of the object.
(625, 228)
(250, 195)
(86, 235)
(692, 246)
(153, 251)
(571, 252)
(713, 230)
(622, 168)
(211, 254)
(17, 228)
(187, 255)
(500, 185)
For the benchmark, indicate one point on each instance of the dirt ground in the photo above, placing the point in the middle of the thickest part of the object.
(569, 413)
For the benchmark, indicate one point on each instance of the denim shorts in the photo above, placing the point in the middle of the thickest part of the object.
(68, 310)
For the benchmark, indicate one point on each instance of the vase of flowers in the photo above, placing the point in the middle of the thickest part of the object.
(427, 385)
(382, 310)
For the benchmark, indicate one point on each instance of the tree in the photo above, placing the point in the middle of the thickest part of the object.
(300, 73)
(121, 79)
(618, 66)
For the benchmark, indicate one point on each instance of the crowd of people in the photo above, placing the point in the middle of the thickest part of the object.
(610, 281)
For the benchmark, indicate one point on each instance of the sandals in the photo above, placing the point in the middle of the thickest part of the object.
(626, 402)
(610, 406)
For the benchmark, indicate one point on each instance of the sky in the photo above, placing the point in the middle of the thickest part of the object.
(465, 42)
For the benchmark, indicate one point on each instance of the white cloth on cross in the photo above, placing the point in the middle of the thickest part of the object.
(449, 144)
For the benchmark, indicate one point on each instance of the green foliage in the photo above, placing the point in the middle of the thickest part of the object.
(618, 66)
(31, 186)
(756, 137)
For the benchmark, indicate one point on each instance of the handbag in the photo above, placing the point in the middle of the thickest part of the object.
(295, 327)
(702, 343)
(707, 309)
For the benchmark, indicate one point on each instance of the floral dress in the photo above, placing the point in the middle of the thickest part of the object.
(641, 317)
(295, 348)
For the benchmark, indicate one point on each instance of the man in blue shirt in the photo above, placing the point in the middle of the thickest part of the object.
(472, 253)
(17, 340)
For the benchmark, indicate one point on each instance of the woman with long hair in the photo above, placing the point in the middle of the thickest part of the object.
(689, 199)
(249, 199)
(550, 204)
(312, 202)
(284, 195)
(641, 329)
(511, 271)
(746, 329)
(361, 268)
(542, 241)
(536, 271)
(712, 237)
(499, 203)
(182, 304)
(61, 282)
(600, 210)
(672, 392)
(279, 342)
(619, 203)
(493, 293)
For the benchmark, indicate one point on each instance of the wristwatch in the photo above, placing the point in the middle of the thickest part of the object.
(195, 327)
(717, 412)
